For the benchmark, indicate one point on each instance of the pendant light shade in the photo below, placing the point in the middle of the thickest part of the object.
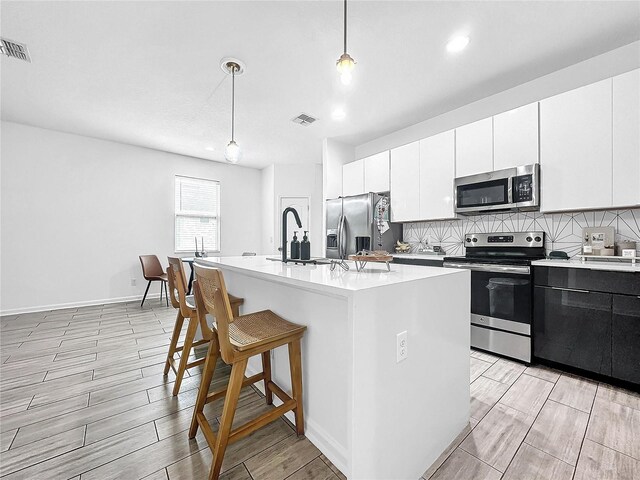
(345, 63)
(233, 67)
(232, 152)
(345, 66)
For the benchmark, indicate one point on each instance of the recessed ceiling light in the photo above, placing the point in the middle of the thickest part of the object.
(457, 44)
(338, 113)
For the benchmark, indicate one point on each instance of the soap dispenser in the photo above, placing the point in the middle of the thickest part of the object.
(305, 247)
(295, 247)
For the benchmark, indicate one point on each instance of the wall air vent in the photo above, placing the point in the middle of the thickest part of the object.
(304, 119)
(14, 49)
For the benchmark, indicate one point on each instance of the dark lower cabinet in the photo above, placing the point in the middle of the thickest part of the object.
(588, 319)
(573, 328)
(626, 338)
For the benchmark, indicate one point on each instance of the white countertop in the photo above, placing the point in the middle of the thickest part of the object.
(420, 256)
(611, 265)
(320, 277)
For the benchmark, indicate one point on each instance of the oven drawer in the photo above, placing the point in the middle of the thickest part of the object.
(507, 344)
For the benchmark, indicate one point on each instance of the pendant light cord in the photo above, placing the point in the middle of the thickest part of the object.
(345, 26)
(233, 100)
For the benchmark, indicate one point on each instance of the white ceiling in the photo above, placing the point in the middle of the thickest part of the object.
(147, 73)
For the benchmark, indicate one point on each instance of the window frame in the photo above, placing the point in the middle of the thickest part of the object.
(176, 214)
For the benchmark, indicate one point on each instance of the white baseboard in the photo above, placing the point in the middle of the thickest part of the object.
(317, 435)
(88, 303)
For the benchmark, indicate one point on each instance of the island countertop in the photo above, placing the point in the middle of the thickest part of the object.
(321, 278)
(368, 397)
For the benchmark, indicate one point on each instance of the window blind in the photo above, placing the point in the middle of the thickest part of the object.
(197, 212)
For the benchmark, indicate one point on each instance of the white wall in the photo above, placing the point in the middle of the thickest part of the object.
(303, 180)
(268, 209)
(603, 66)
(334, 155)
(77, 212)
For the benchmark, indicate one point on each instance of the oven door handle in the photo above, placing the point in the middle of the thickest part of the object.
(488, 267)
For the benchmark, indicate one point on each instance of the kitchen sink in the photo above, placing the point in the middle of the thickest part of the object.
(319, 261)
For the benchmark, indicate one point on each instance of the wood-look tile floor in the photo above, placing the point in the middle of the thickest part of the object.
(82, 396)
(534, 423)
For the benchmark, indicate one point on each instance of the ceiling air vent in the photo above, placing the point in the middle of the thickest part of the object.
(14, 49)
(304, 119)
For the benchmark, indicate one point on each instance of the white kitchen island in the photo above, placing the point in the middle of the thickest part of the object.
(372, 416)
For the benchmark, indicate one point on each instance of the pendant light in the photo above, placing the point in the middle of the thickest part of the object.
(232, 67)
(345, 63)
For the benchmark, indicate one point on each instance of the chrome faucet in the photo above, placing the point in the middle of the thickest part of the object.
(284, 229)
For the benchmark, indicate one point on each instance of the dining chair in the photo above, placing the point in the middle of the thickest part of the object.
(152, 272)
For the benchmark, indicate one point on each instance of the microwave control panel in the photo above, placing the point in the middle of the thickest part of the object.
(523, 188)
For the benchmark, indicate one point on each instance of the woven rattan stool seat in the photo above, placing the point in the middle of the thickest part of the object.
(248, 331)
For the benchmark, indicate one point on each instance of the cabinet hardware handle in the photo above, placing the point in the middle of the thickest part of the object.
(570, 290)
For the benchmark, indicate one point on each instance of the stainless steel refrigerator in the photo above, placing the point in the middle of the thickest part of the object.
(364, 215)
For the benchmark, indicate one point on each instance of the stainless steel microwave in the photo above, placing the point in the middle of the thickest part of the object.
(515, 188)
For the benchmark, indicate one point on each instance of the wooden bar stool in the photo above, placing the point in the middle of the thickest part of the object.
(236, 339)
(186, 310)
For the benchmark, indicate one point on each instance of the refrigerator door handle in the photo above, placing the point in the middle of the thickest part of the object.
(341, 240)
(339, 236)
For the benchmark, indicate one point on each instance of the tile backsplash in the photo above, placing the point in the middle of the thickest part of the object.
(563, 230)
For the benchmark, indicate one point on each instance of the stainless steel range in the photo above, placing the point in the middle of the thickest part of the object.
(501, 289)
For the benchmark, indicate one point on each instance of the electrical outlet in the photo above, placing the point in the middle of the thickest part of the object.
(133, 282)
(401, 347)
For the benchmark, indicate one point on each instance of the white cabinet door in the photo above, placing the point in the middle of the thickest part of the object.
(405, 183)
(437, 172)
(515, 137)
(474, 148)
(626, 139)
(575, 149)
(353, 178)
(376, 173)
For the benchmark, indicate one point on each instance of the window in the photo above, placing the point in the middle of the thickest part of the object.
(197, 214)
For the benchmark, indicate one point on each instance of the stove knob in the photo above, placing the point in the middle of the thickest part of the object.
(538, 239)
(475, 240)
(468, 240)
(529, 239)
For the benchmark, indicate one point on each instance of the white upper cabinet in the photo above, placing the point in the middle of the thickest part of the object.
(376, 173)
(626, 139)
(515, 137)
(437, 172)
(353, 178)
(575, 149)
(474, 148)
(405, 183)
